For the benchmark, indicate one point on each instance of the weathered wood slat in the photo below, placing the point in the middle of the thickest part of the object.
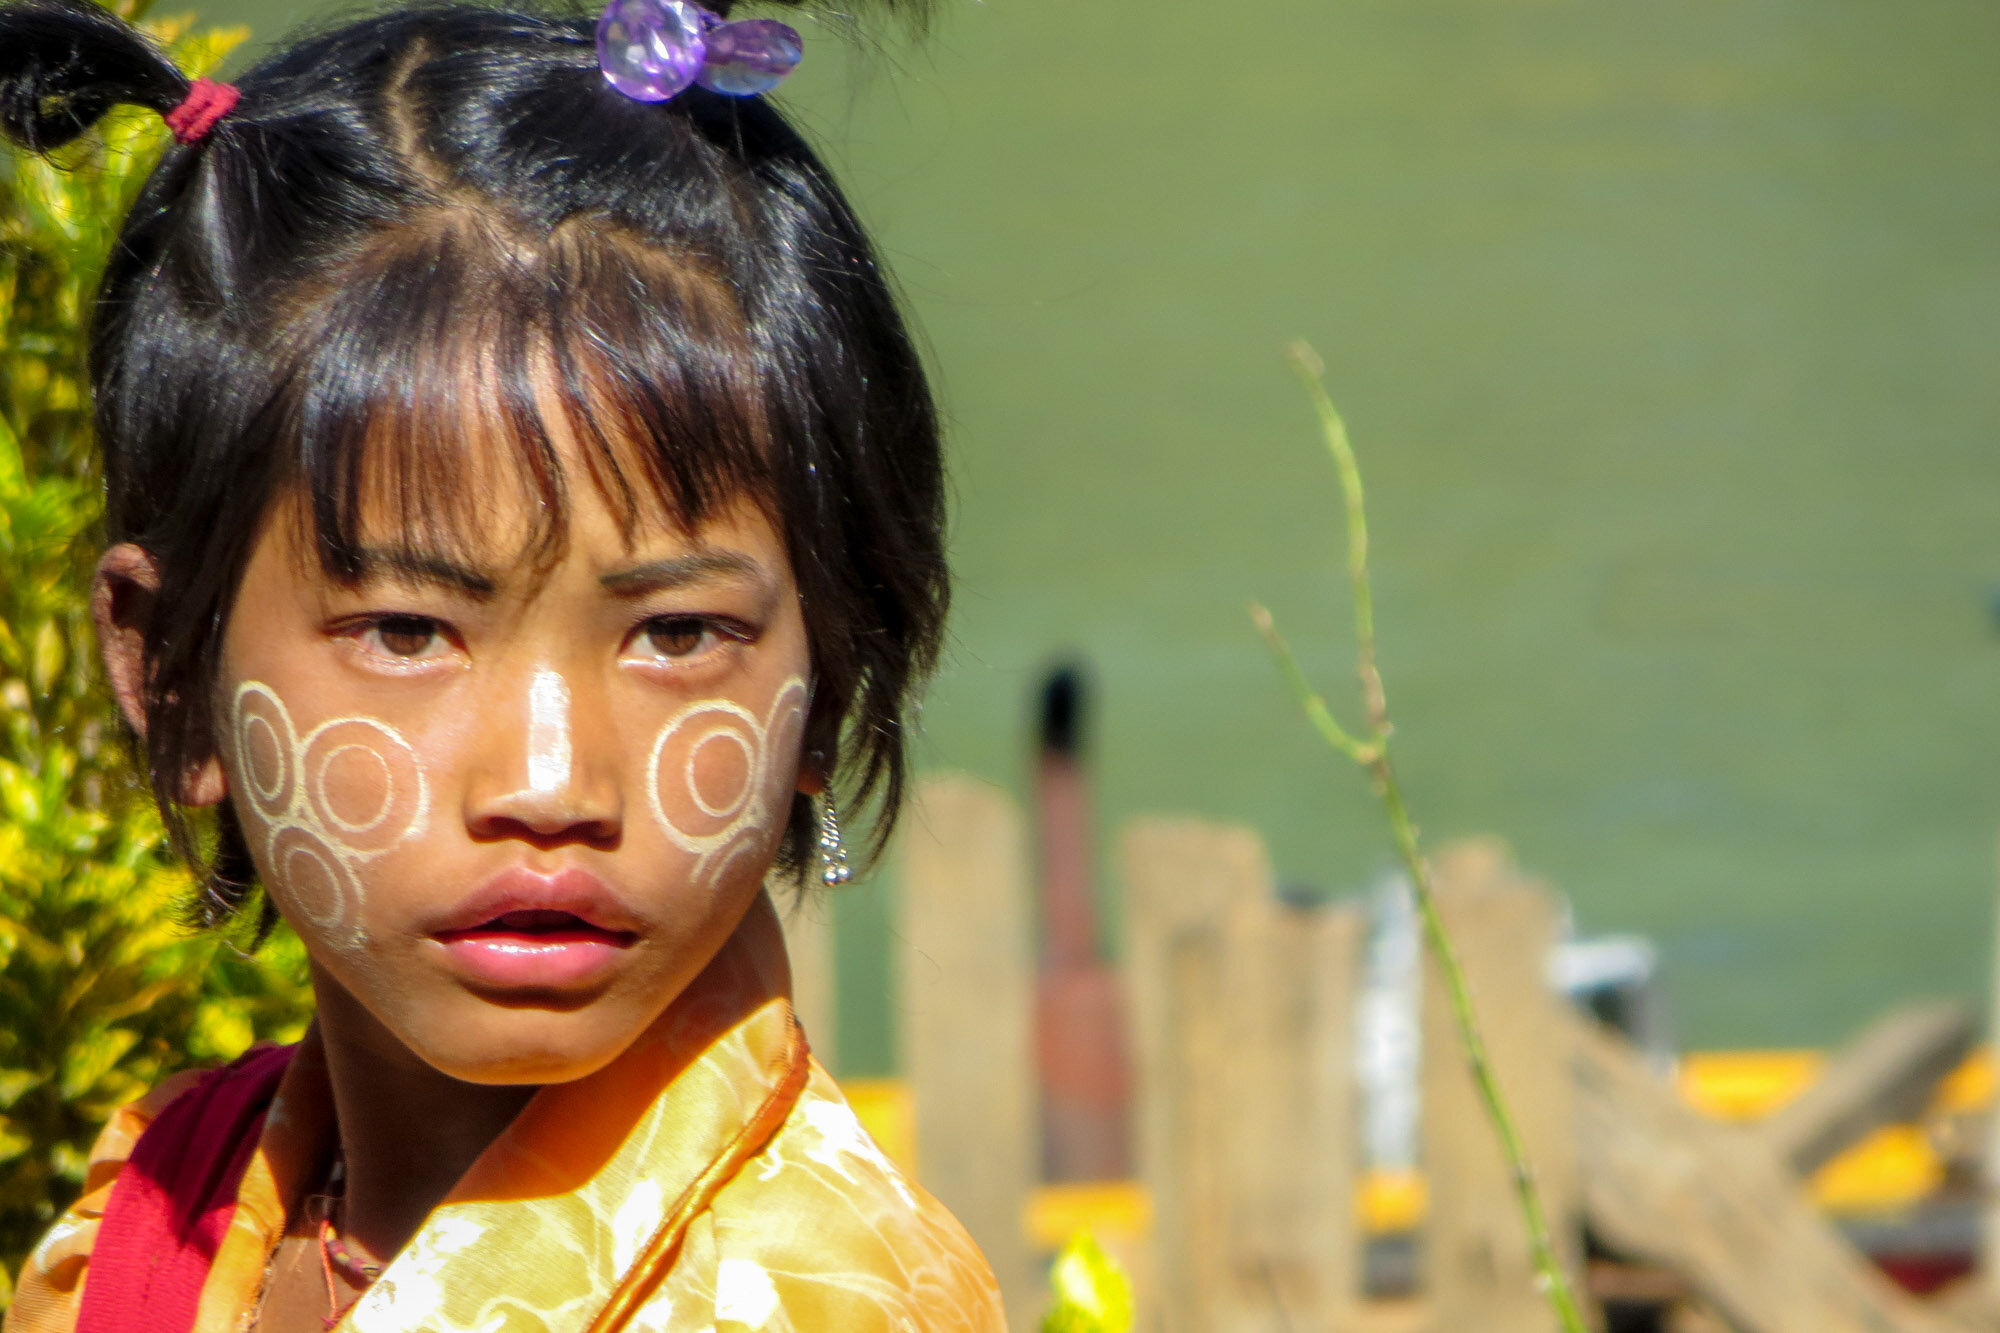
(1289, 999)
(1885, 1074)
(967, 975)
(1972, 1302)
(1980, 1298)
(1244, 1018)
(1666, 1185)
(1989, 1257)
(1479, 1270)
(1180, 877)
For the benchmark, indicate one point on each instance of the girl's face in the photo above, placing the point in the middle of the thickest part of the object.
(512, 805)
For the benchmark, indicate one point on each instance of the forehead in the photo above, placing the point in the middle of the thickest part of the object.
(503, 522)
(520, 487)
(479, 400)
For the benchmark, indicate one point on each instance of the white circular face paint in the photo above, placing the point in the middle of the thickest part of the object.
(325, 803)
(719, 778)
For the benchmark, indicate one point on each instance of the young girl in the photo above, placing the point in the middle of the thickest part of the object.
(525, 508)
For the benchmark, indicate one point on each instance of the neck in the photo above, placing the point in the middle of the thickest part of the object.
(407, 1131)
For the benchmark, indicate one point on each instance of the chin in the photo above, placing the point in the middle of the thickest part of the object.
(517, 1046)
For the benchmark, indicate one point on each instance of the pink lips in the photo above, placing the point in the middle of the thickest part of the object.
(527, 931)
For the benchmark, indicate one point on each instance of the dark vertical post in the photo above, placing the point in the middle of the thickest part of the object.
(1080, 1018)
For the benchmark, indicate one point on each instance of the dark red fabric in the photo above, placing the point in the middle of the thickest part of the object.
(206, 102)
(172, 1202)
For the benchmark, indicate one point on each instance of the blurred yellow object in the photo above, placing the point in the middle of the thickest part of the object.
(1092, 1293)
(1393, 1201)
(1971, 1086)
(1114, 1210)
(1891, 1169)
(883, 1107)
(1741, 1086)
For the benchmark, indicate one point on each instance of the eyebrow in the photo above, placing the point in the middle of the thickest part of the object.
(422, 567)
(678, 571)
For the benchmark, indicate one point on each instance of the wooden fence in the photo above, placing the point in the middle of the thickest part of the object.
(1243, 1010)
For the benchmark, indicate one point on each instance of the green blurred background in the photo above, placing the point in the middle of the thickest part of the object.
(1665, 330)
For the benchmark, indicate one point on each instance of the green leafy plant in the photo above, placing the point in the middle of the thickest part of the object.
(1370, 752)
(1092, 1293)
(102, 991)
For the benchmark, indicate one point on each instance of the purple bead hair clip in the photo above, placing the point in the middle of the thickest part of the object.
(651, 50)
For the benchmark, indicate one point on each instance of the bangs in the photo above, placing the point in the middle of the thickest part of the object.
(430, 371)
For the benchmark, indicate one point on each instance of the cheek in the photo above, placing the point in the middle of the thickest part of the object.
(266, 763)
(363, 784)
(314, 880)
(719, 780)
(319, 808)
(721, 770)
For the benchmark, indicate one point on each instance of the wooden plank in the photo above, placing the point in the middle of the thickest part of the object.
(1666, 1185)
(1885, 1074)
(1290, 978)
(1693, 1319)
(1406, 1314)
(1478, 1266)
(1989, 1258)
(1180, 877)
(1244, 1027)
(966, 984)
(808, 918)
(1972, 1302)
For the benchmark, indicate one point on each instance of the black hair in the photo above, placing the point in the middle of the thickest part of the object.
(453, 186)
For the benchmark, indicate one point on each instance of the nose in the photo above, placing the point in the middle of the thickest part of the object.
(542, 777)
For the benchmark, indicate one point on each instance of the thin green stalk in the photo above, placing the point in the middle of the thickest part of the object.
(1310, 368)
(1372, 754)
(1317, 711)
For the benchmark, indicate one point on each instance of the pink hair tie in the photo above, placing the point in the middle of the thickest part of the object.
(206, 102)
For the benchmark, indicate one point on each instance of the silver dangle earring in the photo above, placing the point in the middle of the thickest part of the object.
(834, 870)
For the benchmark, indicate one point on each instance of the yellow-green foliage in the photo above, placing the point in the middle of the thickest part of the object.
(102, 992)
(1092, 1293)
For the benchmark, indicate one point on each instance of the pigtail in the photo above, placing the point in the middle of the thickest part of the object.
(64, 63)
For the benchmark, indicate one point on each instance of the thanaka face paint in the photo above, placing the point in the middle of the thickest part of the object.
(549, 750)
(719, 779)
(326, 803)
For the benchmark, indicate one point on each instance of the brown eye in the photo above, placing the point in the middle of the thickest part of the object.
(677, 636)
(406, 636)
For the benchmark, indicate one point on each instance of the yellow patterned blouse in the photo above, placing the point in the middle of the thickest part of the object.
(711, 1178)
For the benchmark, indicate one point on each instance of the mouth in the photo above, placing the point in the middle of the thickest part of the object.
(538, 928)
(505, 945)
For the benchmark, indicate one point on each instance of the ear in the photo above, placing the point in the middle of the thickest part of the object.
(121, 602)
